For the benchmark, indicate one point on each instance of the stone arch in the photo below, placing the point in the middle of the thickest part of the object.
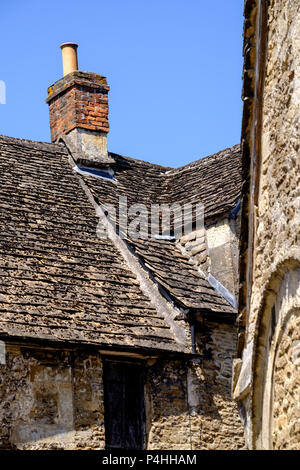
(277, 361)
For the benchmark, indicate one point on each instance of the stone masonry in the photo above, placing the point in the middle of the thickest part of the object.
(53, 399)
(267, 372)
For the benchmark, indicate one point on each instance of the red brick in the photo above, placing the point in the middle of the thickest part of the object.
(79, 106)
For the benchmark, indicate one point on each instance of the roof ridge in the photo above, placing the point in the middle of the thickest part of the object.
(157, 165)
(33, 143)
(204, 159)
(171, 170)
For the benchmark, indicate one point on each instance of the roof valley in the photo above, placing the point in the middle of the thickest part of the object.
(151, 288)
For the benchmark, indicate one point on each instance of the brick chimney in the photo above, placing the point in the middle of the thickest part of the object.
(78, 107)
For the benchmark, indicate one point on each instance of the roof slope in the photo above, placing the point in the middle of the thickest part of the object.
(58, 280)
(215, 181)
(179, 277)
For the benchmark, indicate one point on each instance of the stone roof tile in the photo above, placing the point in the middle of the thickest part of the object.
(58, 280)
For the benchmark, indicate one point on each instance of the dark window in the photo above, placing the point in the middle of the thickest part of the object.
(124, 405)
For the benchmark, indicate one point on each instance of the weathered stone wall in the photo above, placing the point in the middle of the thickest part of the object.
(54, 399)
(214, 415)
(191, 404)
(168, 420)
(277, 393)
(278, 217)
(51, 400)
(286, 394)
(267, 383)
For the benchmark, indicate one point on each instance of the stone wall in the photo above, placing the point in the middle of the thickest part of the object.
(277, 216)
(51, 400)
(168, 420)
(286, 394)
(54, 399)
(267, 377)
(191, 404)
(214, 415)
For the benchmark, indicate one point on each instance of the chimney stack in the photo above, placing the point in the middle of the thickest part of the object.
(78, 108)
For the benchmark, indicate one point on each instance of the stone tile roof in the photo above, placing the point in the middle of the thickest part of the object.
(62, 283)
(58, 280)
(215, 181)
(179, 277)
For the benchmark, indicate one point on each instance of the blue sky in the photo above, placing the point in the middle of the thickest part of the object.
(174, 68)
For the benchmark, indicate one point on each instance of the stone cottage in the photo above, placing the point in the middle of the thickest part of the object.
(107, 340)
(266, 380)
